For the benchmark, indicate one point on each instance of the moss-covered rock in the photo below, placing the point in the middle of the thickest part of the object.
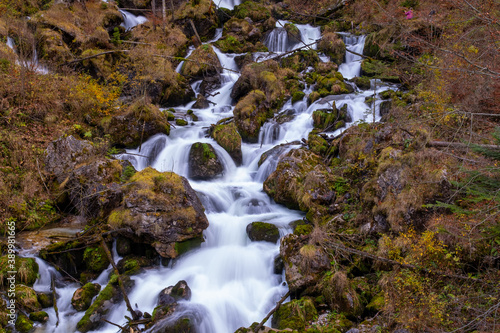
(172, 294)
(301, 182)
(331, 84)
(82, 297)
(175, 92)
(304, 263)
(362, 82)
(107, 299)
(202, 62)
(90, 181)
(376, 303)
(181, 122)
(132, 264)
(333, 46)
(203, 15)
(161, 209)
(137, 123)
(250, 114)
(295, 314)
(262, 231)
(204, 163)
(254, 10)
(313, 97)
(240, 36)
(26, 269)
(227, 136)
(53, 47)
(317, 144)
(265, 77)
(301, 60)
(95, 259)
(40, 316)
(26, 299)
(45, 299)
(381, 44)
(23, 324)
(378, 69)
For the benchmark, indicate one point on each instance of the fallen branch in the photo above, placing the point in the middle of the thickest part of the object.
(459, 145)
(120, 282)
(109, 322)
(293, 51)
(135, 9)
(195, 31)
(358, 54)
(95, 55)
(258, 327)
(54, 297)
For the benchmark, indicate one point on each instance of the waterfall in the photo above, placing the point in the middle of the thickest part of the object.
(130, 20)
(352, 65)
(232, 279)
(32, 63)
(229, 4)
(278, 39)
(10, 43)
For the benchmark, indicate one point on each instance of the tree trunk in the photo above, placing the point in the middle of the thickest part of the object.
(153, 7)
(163, 13)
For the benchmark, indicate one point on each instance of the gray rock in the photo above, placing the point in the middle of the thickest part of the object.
(261, 231)
(204, 163)
(172, 294)
(163, 210)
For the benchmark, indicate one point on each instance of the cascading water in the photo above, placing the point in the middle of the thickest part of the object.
(232, 279)
(229, 4)
(32, 63)
(130, 20)
(352, 65)
(279, 40)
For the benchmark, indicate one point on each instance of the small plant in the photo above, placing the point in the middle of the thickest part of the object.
(116, 39)
(127, 173)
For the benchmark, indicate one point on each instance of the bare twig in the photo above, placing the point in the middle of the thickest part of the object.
(258, 327)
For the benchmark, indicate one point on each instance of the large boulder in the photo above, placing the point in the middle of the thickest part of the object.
(241, 36)
(204, 163)
(161, 209)
(296, 315)
(227, 136)
(201, 13)
(304, 263)
(250, 114)
(88, 182)
(139, 122)
(301, 181)
(333, 46)
(82, 297)
(26, 268)
(265, 77)
(262, 231)
(202, 62)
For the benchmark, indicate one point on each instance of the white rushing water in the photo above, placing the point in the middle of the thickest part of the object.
(279, 41)
(352, 65)
(33, 63)
(229, 4)
(232, 279)
(130, 20)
